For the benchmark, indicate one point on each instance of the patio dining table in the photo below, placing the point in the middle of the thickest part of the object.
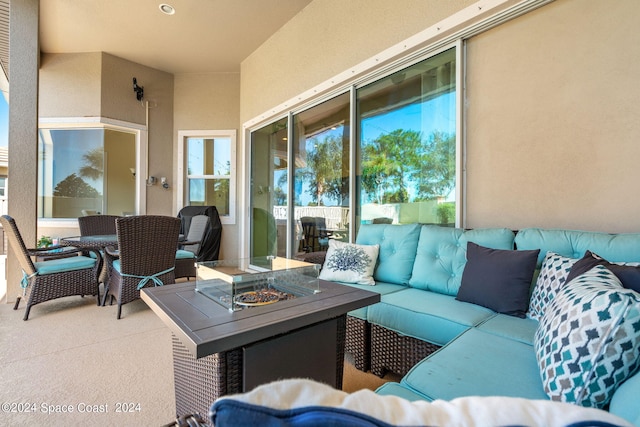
(96, 244)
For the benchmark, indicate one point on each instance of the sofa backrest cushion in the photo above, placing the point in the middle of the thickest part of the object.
(441, 255)
(398, 245)
(624, 247)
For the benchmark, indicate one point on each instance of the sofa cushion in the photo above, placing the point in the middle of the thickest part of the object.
(425, 315)
(627, 273)
(588, 340)
(624, 247)
(398, 245)
(381, 288)
(350, 263)
(498, 279)
(515, 328)
(441, 255)
(478, 363)
(553, 274)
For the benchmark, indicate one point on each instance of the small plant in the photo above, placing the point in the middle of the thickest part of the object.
(446, 212)
(45, 242)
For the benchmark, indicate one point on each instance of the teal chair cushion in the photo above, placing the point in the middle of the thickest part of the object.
(427, 316)
(515, 328)
(441, 255)
(381, 288)
(397, 253)
(64, 264)
(184, 254)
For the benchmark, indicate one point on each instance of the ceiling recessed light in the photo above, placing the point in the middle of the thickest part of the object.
(167, 9)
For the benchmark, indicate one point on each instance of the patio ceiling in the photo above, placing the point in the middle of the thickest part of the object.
(202, 36)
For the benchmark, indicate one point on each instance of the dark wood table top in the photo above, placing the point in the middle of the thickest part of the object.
(90, 242)
(206, 327)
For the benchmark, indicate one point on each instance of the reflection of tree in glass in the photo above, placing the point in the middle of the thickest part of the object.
(94, 164)
(323, 172)
(400, 161)
(74, 186)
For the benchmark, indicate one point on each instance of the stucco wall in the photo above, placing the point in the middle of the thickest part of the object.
(552, 119)
(209, 102)
(325, 39)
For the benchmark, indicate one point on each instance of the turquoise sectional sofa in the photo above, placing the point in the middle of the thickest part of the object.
(445, 348)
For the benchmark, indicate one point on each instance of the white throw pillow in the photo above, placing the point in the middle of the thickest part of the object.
(350, 263)
(553, 274)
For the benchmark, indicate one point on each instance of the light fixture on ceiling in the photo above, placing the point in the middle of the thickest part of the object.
(167, 9)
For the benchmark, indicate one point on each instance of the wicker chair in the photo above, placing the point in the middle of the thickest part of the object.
(56, 277)
(188, 250)
(146, 256)
(96, 225)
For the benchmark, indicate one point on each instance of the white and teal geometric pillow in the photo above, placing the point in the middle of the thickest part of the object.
(553, 273)
(588, 340)
(350, 263)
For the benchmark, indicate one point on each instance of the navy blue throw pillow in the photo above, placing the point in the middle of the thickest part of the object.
(498, 279)
(628, 275)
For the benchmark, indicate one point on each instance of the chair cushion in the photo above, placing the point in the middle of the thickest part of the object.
(553, 274)
(498, 279)
(398, 245)
(514, 328)
(184, 254)
(441, 255)
(381, 288)
(64, 264)
(588, 340)
(350, 263)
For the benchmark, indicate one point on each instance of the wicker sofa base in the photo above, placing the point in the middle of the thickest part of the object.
(396, 353)
(358, 342)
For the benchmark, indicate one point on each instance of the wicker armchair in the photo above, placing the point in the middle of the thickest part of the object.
(95, 225)
(56, 277)
(188, 250)
(146, 256)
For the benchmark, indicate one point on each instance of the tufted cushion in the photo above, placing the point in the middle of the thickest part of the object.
(398, 245)
(441, 255)
(350, 263)
(498, 279)
(588, 340)
(553, 274)
(573, 243)
(184, 254)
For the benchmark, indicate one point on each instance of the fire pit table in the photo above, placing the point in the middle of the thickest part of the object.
(248, 322)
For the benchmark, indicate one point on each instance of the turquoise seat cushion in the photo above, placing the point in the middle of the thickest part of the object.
(624, 402)
(478, 363)
(381, 288)
(397, 389)
(397, 253)
(64, 264)
(515, 328)
(624, 247)
(184, 254)
(441, 255)
(427, 316)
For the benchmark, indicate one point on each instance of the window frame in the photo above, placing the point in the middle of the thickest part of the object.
(141, 135)
(181, 184)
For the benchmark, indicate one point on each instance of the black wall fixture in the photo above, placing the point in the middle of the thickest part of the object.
(139, 90)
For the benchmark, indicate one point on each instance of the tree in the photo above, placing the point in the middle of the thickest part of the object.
(437, 174)
(74, 186)
(94, 167)
(323, 171)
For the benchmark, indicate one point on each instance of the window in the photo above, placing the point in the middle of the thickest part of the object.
(86, 170)
(210, 159)
(405, 168)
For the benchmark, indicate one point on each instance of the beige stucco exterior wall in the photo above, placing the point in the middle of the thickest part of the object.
(209, 102)
(327, 38)
(552, 119)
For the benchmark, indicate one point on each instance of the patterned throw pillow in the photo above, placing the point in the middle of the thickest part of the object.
(350, 263)
(553, 273)
(588, 340)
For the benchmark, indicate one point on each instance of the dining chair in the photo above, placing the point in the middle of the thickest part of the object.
(146, 256)
(188, 250)
(54, 277)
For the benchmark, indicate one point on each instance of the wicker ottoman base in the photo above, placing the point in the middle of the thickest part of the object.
(396, 353)
(358, 342)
